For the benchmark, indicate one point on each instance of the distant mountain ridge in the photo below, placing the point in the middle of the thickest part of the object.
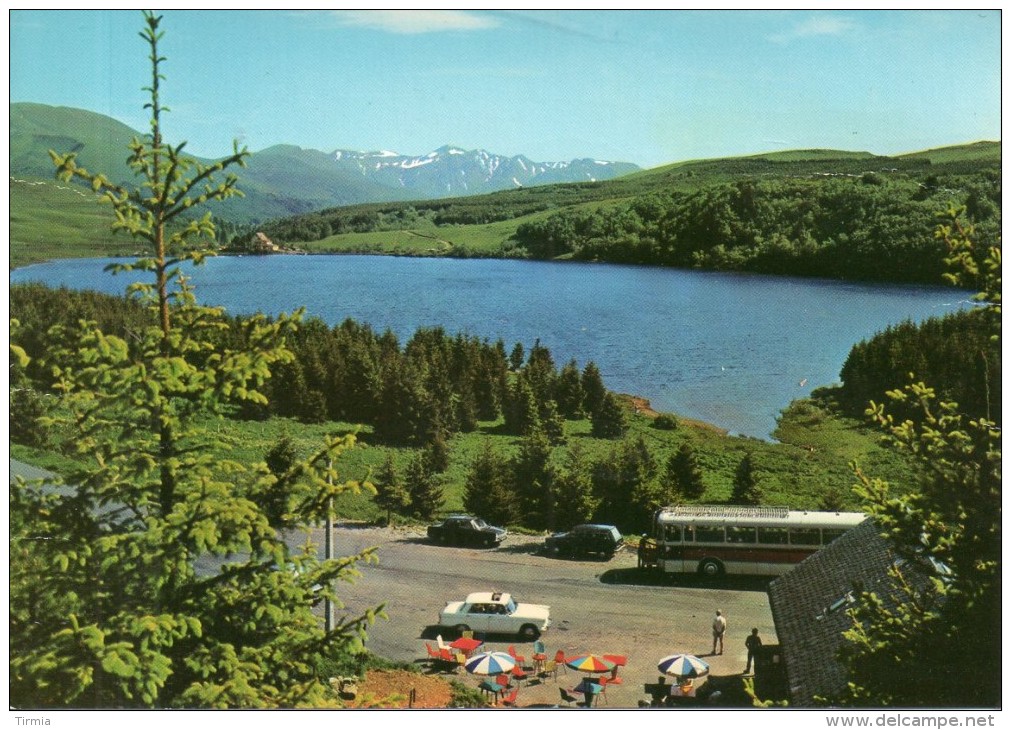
(450, 170)
(285, 180)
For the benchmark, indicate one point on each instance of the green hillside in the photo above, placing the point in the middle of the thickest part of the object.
(53, 220)
(279, 181)
(825, 213)
(831, 213)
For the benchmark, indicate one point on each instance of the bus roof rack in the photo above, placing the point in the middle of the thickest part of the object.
(727, 511)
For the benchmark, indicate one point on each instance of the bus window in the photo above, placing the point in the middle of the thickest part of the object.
(772, 535)
(740, 534)
(672, 533)
(805, 536)
(828, 535)
(709, 534)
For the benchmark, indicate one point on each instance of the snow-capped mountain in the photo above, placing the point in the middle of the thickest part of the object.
(451, 171)
(285, 180)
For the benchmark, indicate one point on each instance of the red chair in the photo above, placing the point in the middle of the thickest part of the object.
(560, 660)
(619, 660)
(502, 680)
(518, 674)
(432, 653)
(520, 659)
(510, 699)
(603, 682)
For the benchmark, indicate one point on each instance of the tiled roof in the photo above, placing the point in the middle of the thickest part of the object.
(809, 609)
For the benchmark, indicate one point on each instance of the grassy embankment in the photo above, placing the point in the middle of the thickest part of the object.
(810, 461)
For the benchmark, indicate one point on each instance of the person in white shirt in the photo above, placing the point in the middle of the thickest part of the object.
(719, 629)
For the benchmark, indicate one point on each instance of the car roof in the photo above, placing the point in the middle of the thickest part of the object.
(489, 597)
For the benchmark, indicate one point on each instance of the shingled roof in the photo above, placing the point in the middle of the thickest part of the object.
(809, 608)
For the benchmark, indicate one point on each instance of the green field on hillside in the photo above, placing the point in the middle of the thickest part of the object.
(810, 463)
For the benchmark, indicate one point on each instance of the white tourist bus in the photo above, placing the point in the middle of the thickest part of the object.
(714, 540)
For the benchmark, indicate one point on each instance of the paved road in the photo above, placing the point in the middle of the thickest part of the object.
(596, 606)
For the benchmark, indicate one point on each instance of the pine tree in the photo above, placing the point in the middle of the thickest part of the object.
(569, 391)
(391, 491)
(424, 491)
(593, 388)
(516, 357)
(533, 481)
(682, 477)
(121, 616)
(521, 411)
(746, 486)
(575, 501)
(609, 420)
(488, 491)
(552, 423)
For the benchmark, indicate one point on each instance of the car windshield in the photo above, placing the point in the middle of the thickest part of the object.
(480, 523)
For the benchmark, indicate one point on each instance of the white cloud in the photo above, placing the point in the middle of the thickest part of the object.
(822, 25)
(415, 21)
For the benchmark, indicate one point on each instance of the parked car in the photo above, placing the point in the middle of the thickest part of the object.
(466, 530)
(496, 613)
(585, 540)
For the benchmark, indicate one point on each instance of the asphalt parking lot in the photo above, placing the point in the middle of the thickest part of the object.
(597, 606)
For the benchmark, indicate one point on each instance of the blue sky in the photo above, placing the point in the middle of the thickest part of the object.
(648, 87)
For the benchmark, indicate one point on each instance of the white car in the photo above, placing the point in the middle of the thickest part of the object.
(496, 613)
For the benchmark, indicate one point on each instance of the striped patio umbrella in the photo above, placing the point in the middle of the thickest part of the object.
(490, 663)
(683, 665)
(589, 663)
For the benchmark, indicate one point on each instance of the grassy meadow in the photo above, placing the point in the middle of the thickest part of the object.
(810, 461)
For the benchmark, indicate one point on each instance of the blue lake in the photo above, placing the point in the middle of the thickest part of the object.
(729, 349)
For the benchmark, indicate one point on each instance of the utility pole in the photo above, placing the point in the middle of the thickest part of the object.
(328, 548)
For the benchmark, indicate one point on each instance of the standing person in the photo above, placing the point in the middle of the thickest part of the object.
(752, 642)
(719, 629)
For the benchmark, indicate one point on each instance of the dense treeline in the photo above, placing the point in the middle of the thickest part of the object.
(954, 354)
(416, 395)
(873, 226)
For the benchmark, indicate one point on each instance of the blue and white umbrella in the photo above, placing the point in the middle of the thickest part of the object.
(683, 665)
(490, 663)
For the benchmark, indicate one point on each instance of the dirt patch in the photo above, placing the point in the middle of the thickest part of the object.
(639, 405)
(392, 688)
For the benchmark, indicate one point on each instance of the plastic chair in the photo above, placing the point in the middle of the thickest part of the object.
(540, 651)
(550, 667)
(432, 653)
(566, 697)
(619, 660)
(560, 660)
(520, 659)
(461, 659)
(603, 682)
(510, 699)
(467, 634)
(518, 674)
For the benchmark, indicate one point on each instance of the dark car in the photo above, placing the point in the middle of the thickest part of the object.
(585, 540)
(466, 530)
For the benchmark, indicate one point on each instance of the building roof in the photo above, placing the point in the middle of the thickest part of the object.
(809, 608)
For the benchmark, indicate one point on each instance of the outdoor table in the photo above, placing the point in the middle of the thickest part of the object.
(590, 689)
(466, 645)
(492, 687)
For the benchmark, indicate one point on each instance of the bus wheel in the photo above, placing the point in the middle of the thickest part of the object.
(711, 568)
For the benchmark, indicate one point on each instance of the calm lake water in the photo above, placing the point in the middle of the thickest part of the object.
(729, 349)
